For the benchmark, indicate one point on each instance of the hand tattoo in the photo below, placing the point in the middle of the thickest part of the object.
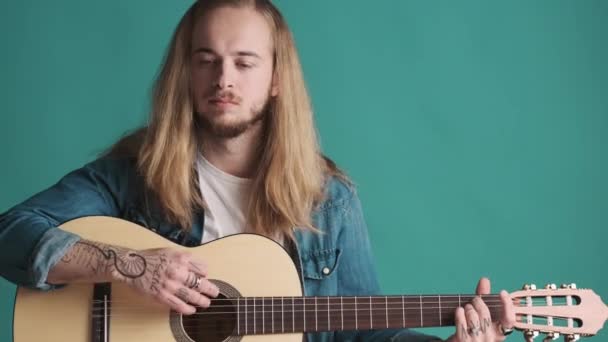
(159, 268)
(463, 332)
(183, 294)
(196, 268)
(485, 325)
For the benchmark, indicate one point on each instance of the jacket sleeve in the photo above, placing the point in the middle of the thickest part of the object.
(357, 259)
(29, 243)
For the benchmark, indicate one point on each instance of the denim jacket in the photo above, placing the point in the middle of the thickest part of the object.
(110, 186)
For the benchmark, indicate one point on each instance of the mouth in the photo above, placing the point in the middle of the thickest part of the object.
(222, 101)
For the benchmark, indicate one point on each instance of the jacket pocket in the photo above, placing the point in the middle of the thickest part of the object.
(320, 264)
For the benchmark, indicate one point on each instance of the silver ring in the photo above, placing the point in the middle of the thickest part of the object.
(197, 282)
(505, 331)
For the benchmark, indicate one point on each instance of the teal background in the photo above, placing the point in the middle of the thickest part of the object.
(475, 130)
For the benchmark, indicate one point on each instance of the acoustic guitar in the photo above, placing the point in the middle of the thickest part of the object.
(261, 300)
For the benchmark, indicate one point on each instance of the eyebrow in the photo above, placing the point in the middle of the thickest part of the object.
(238, 53)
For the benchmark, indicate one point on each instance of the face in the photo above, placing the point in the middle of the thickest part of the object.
(232, 70)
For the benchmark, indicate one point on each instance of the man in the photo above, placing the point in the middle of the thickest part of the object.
(230, 147)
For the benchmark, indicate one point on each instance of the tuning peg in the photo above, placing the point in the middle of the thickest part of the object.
(550, 287)
(572, 286)
(530, 335)
(564, 286)
(551, 336)
(529, 287)
(572, 337)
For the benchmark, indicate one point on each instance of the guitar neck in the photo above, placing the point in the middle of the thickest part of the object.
(268, 315)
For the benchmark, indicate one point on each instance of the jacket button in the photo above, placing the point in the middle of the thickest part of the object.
(325, 270)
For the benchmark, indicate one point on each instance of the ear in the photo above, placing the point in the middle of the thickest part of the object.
(274, 86)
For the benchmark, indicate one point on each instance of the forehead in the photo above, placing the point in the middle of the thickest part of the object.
(227, 30)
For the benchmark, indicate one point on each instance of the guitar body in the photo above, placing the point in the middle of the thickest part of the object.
(252, 265)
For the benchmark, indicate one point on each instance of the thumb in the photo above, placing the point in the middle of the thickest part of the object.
(483, 287)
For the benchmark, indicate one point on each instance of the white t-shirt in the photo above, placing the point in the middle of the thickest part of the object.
(226, 196)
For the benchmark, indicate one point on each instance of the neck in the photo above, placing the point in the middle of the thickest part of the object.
(259, 315)
(237, 156)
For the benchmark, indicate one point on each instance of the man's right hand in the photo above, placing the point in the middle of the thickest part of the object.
(169, 276)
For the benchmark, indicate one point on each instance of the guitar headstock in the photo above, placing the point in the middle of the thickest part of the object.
(556, 311)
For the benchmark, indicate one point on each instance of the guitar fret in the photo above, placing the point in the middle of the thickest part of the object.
(272, 311)
(246, 321)
(403, 308)
(263, 320)
(371, 324)
(421, 315)
(342, 311)
(293, 314)
(328, 322)
(238, 316)
(386, 306)
(304, 310)
(439, 297)
(356, 314)
(316, 318)
(282, 316)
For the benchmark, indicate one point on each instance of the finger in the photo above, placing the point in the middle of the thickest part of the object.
(192, 297)
(472, 320)
(208, 288)
(507, 319)
(462, 333)
(180, 274)
(485, 319)
(187, 295)
(175, 303)
(198, 267)
(483, 287)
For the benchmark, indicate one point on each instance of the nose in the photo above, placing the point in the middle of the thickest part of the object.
(224, 76)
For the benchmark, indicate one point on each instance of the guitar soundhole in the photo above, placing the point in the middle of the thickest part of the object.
(214, 324)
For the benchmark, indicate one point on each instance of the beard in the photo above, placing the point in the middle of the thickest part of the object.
(230, 130)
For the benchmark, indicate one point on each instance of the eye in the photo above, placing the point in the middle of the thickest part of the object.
(204, 61)
(244, 65)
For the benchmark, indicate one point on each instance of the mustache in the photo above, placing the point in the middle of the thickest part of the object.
(225, 96)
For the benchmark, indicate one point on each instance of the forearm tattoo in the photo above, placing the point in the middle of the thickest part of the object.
(102, 258)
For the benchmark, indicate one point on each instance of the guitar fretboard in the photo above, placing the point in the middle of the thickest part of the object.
(267, 315)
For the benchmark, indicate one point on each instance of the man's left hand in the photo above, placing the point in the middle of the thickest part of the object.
(474, 323)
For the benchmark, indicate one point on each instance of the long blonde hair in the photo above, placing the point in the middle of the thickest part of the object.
(291, 173)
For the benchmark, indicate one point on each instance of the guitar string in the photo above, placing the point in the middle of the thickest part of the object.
(250, 326)
(298, 310)
(414, 299)
(127, 311)
(324, 304)
(375, 298)
(257, 325)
